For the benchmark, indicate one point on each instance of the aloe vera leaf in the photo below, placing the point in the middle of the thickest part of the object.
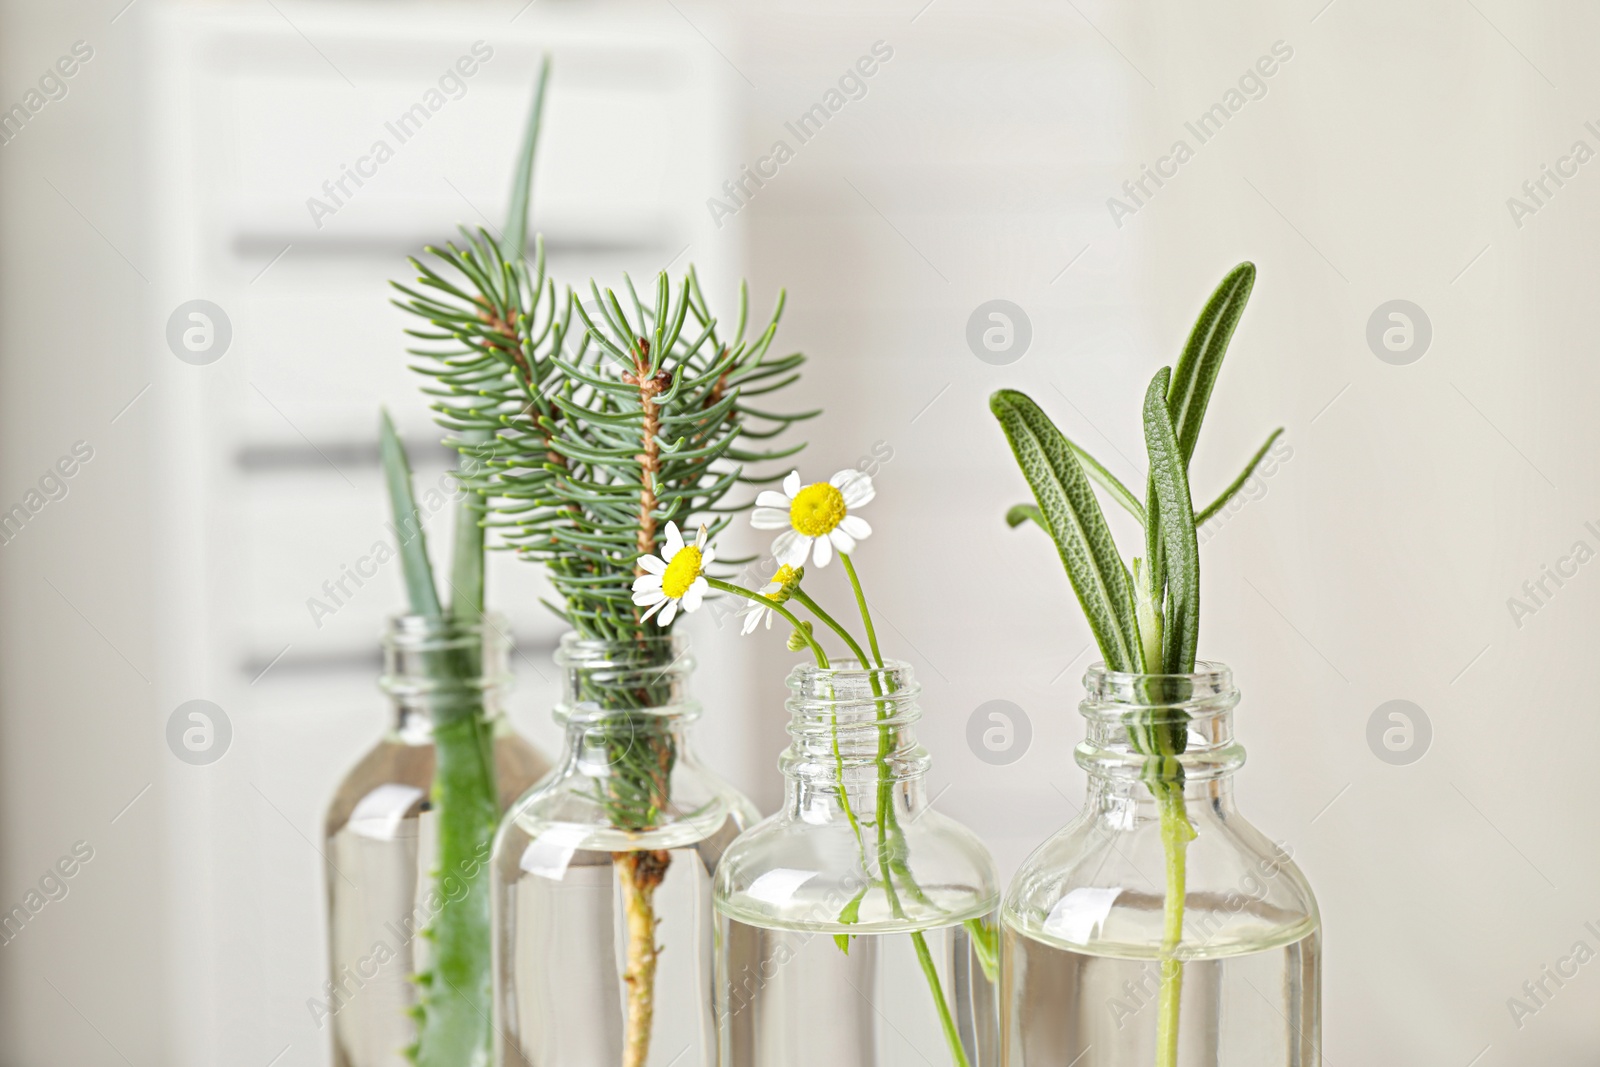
(1076, 523)
(514, 239)
(1169, 499)
(466, 560)
(454, 1024)
(413, 542)
(1238, 483)
(1196, 373)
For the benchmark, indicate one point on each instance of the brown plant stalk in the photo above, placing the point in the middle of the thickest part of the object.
(640, 872)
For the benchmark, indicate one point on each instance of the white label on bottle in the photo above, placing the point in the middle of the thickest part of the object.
(379, 814)
(1077, 917)
(549, 854)
(778, 885)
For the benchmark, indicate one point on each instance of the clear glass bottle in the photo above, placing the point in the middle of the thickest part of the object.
(856, 852)
(1087, 919)
(602, 874)
(381, 834)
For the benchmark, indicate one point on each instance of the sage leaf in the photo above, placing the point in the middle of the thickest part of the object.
(1197, 368)
(1172, 523)
(1072, 515)
(1238, 483)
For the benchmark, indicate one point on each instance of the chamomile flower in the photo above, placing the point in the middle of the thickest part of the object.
(675, 579)
(781, 587)
(818, 514)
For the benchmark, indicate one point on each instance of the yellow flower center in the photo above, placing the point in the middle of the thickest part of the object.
(681, 572)
(817, 509)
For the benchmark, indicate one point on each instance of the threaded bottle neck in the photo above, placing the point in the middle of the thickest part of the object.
(853, 725)
(435, 669)
(1163, 727)
(610, 685)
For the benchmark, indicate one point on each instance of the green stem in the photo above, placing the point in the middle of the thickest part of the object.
(890, 838)
(1176, 833)
(728, 587)
(951, 1035)
(829, 621)
(861, 602)
(838, 756)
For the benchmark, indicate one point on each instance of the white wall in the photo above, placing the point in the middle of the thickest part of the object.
(1376, 566)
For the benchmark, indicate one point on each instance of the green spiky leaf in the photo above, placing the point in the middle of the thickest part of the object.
(413, 542)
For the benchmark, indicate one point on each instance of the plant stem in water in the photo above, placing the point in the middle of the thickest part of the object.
(1176, 833)
(639, 873)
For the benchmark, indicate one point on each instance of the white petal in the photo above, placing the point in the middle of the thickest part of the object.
(674, 542)
(695, 594)
(700, 538)
(769, 518)
(769, 589)
(770, 616)
(752, 619)
(855, 487)
(668, 613)
(647, 581)
(653, 564)
(646, 616)
(768, 498)
(708, 557)
(791, 484)
(842, 541)
(790, 547)
(824, 551)
(856, 527)
(649, 596)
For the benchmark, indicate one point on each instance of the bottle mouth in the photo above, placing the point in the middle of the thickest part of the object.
(1166, 726)
(618, 683)
(432, 656)
(853, 720)
(848, 682)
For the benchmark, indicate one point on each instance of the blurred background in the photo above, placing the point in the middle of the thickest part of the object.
(1413, 181)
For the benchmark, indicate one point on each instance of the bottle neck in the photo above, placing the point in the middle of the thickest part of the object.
(1151, 735)
(616, 692)
(852, 747)
(438, 671)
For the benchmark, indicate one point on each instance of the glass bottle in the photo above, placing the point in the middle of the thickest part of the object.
(856, 853)
(602, 873)
(382, 832)
(1087, 918)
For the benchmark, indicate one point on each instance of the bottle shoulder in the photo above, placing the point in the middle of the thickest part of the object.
(825, 874)
(1099, 885)
(575, 806)
(397, 775)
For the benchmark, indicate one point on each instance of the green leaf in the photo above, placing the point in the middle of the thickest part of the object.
(514, 241)
(850, 914)
(1197, 368)
(1238, 483)
(1171, 534)
(413, 543)
(1021, 513)
(1109, 482)
(1075, 521)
